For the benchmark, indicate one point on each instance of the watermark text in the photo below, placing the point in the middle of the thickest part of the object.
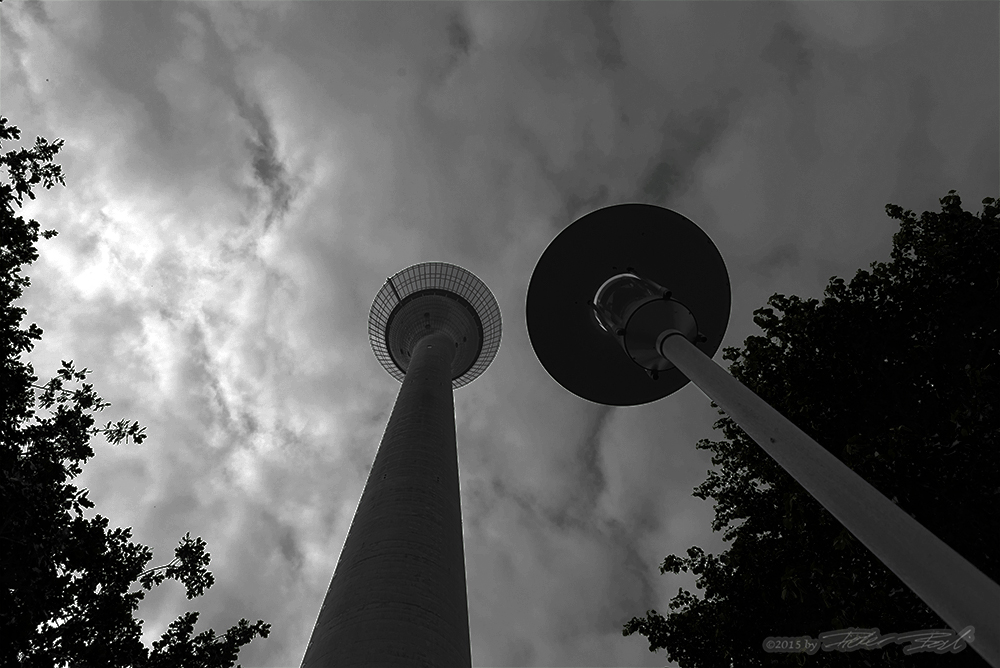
(940, 641)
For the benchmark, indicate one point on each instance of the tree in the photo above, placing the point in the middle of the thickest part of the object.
(67, 595)
(896, 375)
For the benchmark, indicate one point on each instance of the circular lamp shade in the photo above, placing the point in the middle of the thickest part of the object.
(430, 297)
(654, 242)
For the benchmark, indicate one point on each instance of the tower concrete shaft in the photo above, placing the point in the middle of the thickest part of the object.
(398, 595)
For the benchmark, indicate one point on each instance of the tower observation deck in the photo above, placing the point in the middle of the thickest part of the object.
(398, 595)
(430, 297)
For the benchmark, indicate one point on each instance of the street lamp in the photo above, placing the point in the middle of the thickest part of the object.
(647, 280)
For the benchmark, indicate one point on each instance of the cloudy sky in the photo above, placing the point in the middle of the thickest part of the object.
(241, 179)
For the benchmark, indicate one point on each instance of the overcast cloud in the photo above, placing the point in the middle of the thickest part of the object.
(242, 178)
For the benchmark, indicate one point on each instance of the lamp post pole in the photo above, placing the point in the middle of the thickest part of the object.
(955, 589)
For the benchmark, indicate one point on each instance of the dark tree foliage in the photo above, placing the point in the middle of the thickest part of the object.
(67, 596)
(896, 375)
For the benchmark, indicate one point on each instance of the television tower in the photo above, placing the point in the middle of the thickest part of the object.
(398, 595)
